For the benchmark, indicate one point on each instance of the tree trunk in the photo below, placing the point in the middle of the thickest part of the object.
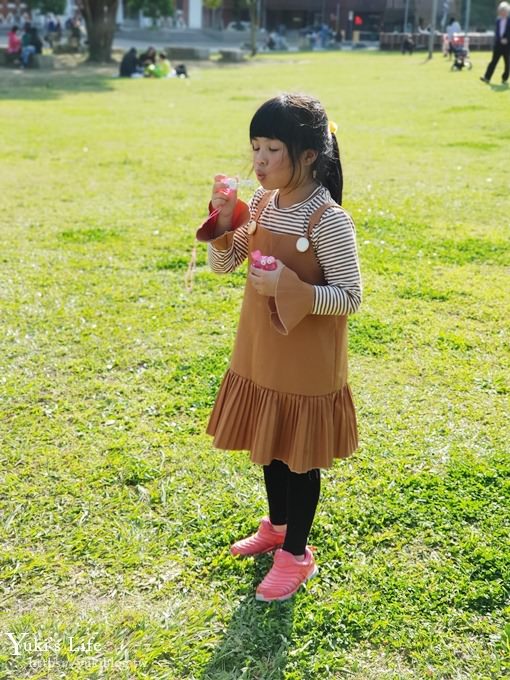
(254, 24)
(100, 18)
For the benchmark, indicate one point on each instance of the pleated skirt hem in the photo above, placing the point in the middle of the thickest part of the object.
(305, 432)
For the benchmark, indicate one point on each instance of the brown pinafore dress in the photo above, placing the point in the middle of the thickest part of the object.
(285, 394)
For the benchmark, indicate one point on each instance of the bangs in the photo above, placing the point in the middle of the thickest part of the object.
(290, 119)
(271, 120)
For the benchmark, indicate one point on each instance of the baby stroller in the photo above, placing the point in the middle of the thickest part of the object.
(460, 49)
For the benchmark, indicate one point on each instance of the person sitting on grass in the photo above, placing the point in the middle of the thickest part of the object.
(129, 64)
(147, 57)
(163, 67)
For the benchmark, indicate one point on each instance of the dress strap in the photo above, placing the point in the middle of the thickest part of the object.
(264, 200)
(316, 216)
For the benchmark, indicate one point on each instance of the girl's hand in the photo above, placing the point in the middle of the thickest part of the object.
(264, 281)
(223, 198)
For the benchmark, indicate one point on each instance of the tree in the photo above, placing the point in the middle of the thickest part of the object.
(153, 8)
(253, 6)
(483, 14)
(214, 6)
(99, 18)
(47, 6)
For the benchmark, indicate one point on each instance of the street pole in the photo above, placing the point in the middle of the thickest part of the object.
(468, 16)
(432, 28)
(406, 16)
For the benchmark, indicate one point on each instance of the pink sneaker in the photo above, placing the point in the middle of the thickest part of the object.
(286, 576)
(263, 541)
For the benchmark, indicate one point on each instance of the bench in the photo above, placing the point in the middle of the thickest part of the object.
(42, 61)
(232, 55)
(7, 59)
(188, 53)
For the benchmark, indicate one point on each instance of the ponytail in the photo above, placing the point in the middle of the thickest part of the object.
(330, 173)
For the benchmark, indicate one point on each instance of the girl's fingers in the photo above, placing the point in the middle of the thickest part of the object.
(221, 190)
(219, 198)
(217, 203)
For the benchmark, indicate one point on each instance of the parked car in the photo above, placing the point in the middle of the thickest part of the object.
(238, 26)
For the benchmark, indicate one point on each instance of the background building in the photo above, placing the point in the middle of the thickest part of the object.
(192, 12)
(298, 14)
(10, 8)
(366, 16)
(369, 16)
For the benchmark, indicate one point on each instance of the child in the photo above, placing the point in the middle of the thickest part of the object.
(163, 66)
(285, 395)
(14, 42)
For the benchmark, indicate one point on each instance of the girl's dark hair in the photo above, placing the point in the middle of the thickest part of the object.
(301, 123)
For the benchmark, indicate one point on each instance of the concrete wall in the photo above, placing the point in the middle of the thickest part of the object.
(195, 14)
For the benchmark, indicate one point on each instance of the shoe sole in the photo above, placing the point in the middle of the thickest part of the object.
(259, 552)
(261, 598)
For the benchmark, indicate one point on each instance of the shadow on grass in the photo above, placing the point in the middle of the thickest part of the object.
(500, 88)
(16, 84)
(257, 640)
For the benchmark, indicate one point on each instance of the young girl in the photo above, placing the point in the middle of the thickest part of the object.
(285, 397)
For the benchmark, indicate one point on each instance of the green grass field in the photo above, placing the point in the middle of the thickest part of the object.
(116, 515)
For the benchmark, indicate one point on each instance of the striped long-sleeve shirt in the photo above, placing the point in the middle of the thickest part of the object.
(333, 239)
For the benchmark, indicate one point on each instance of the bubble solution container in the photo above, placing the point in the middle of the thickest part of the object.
(266, 262)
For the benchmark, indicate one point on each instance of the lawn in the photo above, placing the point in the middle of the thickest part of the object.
(116, 514)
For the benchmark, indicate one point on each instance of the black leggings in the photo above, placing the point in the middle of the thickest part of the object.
(292, 499)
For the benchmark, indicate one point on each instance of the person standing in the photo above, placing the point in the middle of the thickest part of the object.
(501, 44)
(452, 28)
(285, 396)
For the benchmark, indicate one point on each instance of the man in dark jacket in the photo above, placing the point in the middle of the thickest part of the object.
(501, 44)
(129, 64)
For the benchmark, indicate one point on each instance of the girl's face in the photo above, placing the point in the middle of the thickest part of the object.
(271, 162)
(273, 165)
